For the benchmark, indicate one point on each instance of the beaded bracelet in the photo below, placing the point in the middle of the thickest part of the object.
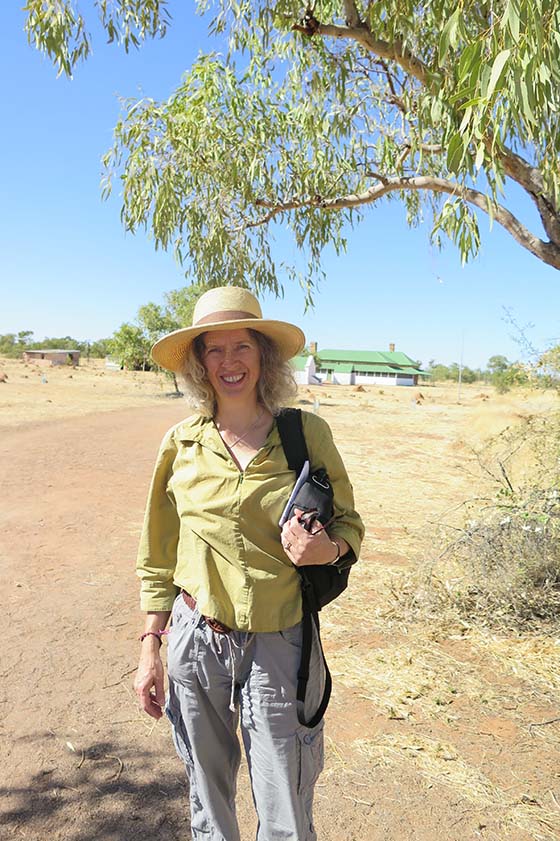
(158, 634)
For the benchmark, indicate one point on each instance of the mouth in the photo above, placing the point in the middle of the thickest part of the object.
(232, 379)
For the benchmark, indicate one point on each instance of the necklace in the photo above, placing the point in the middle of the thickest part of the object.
(244, 434)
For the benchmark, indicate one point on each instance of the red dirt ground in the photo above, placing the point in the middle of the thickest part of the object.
(81, 763)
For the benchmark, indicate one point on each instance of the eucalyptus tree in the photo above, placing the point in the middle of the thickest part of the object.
(310, 116)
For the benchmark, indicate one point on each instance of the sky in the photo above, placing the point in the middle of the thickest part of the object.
(68, 268)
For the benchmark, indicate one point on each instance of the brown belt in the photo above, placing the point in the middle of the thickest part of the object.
(219, 627)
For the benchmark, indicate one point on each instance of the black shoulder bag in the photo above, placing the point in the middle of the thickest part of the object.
(322, 583)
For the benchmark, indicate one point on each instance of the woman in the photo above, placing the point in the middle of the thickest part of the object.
(213, 554)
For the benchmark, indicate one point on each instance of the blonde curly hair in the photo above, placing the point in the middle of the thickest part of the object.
(276, 385)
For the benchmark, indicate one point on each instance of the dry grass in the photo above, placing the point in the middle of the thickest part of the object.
(534, 659)
(415, 679)
(441, 765)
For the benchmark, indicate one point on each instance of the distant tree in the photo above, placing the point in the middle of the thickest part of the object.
(454, 372)
(439, 372)
(24, 337)
(130, 346)
(498, 364)
(515, 375)
(322, 110)
(13, 344)
(99, 348)
(504, 374)
(64, 343)
(450, 373)
(156, 321)
(8, 345)
(180, 303)
(468, 375)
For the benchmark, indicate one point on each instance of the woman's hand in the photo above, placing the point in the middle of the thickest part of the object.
(148, 683)
(310, 548)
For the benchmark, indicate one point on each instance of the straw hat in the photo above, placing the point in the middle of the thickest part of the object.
(226, 308)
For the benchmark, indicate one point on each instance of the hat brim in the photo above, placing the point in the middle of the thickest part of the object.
(169, 352)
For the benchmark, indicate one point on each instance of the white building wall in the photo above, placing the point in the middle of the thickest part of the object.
(377, 379)
(343, 378)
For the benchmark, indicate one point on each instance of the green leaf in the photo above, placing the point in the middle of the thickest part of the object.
(470, 58)
(512, 15)
(466, 119)
(455, 153)
(490, 207)
(497, 70)
(479, 160)
(448, 36)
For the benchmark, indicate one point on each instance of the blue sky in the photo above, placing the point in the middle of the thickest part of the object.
(67, 267)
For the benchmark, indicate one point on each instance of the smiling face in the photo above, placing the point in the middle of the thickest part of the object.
(233, 364)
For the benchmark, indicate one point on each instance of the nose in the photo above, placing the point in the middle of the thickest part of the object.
(230, 354)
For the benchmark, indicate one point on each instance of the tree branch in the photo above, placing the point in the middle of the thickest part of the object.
(548, 252)
(515, 167)
(412, 65)
(530, 178)
(427, 148)
(351, 13)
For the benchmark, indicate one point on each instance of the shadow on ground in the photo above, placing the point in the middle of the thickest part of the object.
(99, 793)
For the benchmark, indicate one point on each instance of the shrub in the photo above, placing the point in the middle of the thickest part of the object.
(511, 560)
(504, 567)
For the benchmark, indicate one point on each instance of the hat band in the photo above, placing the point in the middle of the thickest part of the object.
(225, 315)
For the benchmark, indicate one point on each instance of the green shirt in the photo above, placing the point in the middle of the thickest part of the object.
(212, 530)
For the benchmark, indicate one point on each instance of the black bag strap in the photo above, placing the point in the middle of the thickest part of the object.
(290, 428)
(303, 674)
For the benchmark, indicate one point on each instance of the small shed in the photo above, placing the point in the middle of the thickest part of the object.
(53, 356)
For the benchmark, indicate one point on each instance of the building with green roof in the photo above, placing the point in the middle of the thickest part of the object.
(367, 367)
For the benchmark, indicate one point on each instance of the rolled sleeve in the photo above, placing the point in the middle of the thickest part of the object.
(157, 552)
(348, 524)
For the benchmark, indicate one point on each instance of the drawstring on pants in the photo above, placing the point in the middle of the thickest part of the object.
(231, 643)
(216, 643)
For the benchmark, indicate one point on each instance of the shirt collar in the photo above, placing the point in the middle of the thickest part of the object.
(203, 430)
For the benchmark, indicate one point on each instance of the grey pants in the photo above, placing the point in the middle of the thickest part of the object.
(216, 681)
